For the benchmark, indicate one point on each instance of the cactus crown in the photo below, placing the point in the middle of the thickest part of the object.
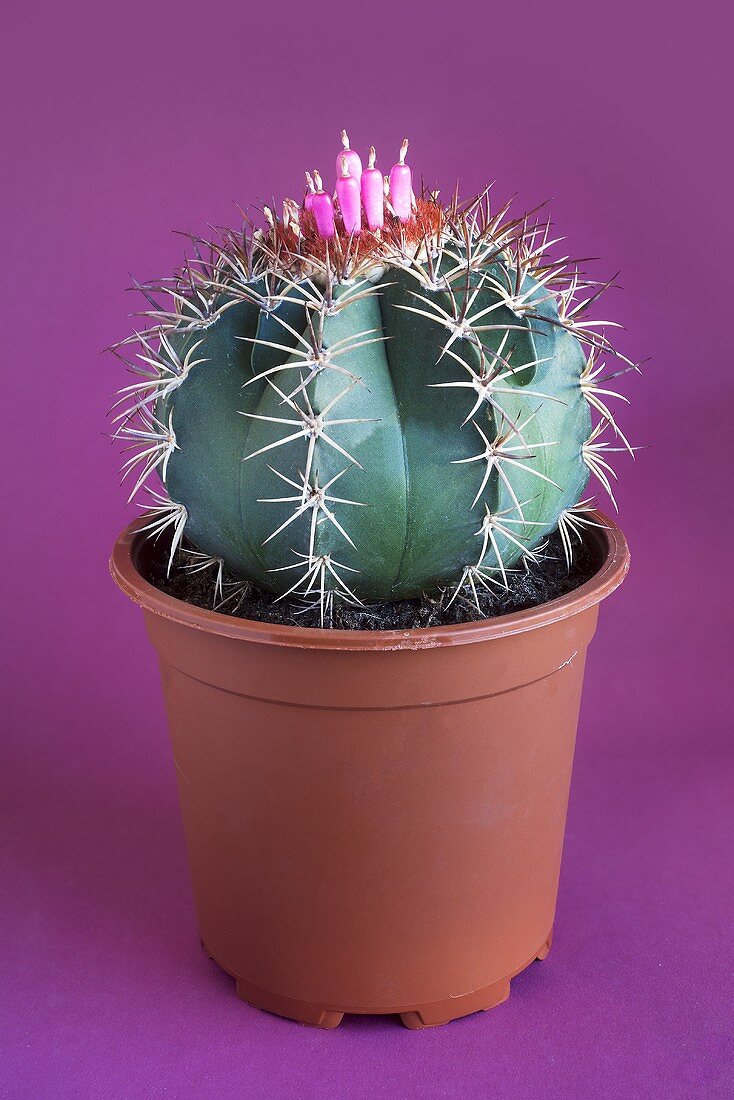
(372, 414)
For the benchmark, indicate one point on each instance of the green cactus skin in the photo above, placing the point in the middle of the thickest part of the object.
(456, 411)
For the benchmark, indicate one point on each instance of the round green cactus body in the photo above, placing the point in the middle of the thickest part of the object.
(406, 419)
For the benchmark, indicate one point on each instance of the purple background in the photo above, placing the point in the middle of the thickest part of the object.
(121, 122)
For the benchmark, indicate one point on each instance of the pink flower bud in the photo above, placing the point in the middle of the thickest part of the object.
(401, 186)
(322, 209)
(348, 194)
(354, 162)
(372, 194)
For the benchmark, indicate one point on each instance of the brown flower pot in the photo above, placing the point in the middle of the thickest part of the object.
(374, 820)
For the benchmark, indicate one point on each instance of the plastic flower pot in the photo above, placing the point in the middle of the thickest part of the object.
(374, 820)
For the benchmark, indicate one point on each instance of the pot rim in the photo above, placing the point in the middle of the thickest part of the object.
(609, 540)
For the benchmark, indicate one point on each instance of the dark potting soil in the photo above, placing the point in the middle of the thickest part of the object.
(526, 587)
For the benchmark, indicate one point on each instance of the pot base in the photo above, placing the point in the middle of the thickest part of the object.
(415, 1017)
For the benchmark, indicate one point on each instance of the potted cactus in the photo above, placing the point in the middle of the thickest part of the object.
(374, 398)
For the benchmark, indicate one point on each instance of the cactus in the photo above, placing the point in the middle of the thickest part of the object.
(374, 416)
